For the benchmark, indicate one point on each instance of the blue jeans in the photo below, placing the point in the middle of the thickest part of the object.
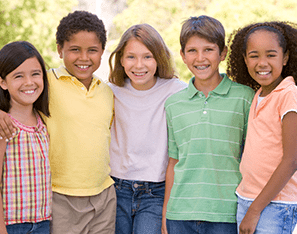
(275, 218)
(26, 228)
(201, 227)
(139, 206)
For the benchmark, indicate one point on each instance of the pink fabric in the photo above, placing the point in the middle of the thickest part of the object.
(263, 148)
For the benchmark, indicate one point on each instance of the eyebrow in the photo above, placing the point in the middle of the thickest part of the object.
(269, 51)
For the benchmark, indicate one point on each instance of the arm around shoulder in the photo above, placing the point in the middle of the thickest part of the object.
(2, 153)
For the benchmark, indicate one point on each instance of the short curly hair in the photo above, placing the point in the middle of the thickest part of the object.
(80, 21)
(286, 33)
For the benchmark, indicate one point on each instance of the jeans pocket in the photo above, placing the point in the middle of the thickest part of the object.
(157, 192)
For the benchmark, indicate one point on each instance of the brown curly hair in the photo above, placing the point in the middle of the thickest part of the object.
(286, 33)
(80, 21)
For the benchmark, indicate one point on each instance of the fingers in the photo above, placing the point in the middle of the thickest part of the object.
(7, 130)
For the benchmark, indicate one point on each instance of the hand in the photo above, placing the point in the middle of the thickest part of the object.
(7, 130)
(249, 222)
(164, 227)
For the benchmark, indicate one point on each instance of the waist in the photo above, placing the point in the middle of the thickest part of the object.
(137, 184)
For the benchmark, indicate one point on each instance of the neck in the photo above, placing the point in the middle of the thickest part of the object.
(24, 115)
(205, 86)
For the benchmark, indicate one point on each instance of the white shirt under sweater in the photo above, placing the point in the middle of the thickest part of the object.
(138, 148)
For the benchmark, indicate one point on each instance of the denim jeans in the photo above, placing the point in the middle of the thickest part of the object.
(277, 218)
(29, 228)
(139, 206)
(199, 227)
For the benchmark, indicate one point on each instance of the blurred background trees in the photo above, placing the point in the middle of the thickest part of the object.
(167, 17)
(37, 20)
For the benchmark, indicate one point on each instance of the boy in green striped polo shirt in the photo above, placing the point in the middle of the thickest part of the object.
(206, 131)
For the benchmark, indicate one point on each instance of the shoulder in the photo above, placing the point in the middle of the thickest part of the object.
(241, 90)
(177, 97)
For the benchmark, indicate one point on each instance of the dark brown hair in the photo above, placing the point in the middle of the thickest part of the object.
(286, 35)
(205, 27)
(13, 55)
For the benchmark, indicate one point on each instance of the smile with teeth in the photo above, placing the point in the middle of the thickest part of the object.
(263, 73)
(139, 73)
(82, 67)
(201, 67)
(28, 91)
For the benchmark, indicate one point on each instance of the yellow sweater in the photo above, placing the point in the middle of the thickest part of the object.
(79, 129)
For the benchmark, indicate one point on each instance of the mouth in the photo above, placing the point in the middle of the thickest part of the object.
(263, 73)
(203, 67)
(139, 73)
(83, 67)
(31, 91)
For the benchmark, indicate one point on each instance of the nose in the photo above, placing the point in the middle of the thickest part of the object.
(139, 62)
(84, 55)
(28, 80)
(199, 56)
(262, 61)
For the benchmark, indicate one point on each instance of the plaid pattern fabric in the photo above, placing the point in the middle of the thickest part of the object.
(26, 182)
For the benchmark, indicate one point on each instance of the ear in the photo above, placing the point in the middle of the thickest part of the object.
(182, 55)
(3, 84)
(286, 58)
(60, 51)
(224, 53)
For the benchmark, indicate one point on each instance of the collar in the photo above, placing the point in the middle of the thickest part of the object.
(62, 73)
(222, 89)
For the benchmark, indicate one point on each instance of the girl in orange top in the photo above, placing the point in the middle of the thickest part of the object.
(263, 56)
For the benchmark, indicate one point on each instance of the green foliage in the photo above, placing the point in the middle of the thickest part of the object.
(34, 21)
(167, 17)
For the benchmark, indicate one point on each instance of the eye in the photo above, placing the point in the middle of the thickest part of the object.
(208, 49)
(130, 56)
(36, 74)
(271, 55)
(93, 50)
(191, 50)
(148, 56)
(74, 49)
(18, 77)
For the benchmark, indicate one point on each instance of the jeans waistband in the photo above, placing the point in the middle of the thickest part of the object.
(136, 184)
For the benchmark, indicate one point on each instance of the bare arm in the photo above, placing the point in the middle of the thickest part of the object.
(279, 178)
(168, 186)
(2, 152)
(6, 127)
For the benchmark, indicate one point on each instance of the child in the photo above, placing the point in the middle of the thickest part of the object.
(81, 106)
(142, 78)
(264, 54)
(25, 203)
(206, 128)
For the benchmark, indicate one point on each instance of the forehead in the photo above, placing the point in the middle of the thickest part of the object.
(197, 41)
(135, 46)
(263, 38)
(84, 38)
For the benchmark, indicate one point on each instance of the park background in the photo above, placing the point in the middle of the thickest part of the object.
(36, 21)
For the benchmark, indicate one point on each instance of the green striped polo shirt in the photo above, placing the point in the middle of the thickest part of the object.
(206, 135)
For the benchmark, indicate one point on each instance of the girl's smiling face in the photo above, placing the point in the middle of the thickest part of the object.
(24, 84)
(265, 59)
(139, 65)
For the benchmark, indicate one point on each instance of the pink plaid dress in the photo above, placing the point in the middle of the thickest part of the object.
(26, 182)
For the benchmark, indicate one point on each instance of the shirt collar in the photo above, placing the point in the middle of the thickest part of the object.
(62, 73)
(222, 89)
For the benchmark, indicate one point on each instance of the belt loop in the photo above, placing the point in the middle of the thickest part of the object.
(146, 184)
(120, 183)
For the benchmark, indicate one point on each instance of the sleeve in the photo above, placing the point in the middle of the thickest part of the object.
(288, 102)
(172, 146)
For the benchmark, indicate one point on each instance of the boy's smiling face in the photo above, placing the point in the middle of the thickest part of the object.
(203, 58)
(82, 55)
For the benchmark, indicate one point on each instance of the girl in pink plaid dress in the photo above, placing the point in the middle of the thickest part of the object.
(25, 183)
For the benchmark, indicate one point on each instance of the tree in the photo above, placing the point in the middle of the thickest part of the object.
(167, 17)
(34, 21)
